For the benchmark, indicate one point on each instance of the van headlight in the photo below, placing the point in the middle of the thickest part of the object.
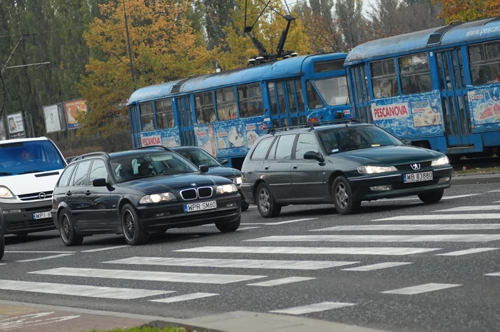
(238, 180)
(157, 198)
(441, 161)
(6, 193)
(375, 169)
(226, 189)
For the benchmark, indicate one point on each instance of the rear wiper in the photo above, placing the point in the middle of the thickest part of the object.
(34, 171)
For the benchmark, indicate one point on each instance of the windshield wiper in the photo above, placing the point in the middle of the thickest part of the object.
(33, 171)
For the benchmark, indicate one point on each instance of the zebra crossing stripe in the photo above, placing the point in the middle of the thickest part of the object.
(199, 278)
(427, 217)
(410, 227)
(79, 290)
(471, 208)
(187, 297)
(281, 281)
(495, 274)
(381, 238)
(43, 258)
(420, 289)
(466, 252)
(377, 266)
(232, 263)
(317, 307)
(389, 251)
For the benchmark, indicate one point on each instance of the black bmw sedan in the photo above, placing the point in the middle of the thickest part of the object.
(139, 192)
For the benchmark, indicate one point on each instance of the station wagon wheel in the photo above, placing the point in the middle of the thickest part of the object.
(342, 197)
(228, 227)
(131, 228)
(2, 244)
(265, 202)
(244, 206)
(67, 230)
(432, 197)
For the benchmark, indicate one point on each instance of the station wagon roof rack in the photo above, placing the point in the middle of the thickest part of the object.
(153, 146)
(91, 154)
(311, 125)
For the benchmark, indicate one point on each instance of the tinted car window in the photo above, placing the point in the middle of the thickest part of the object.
(305, 143)
(64, 179)
(80, 178)
(199, 157)
(261, 149)
(98, 170)
(284, 149)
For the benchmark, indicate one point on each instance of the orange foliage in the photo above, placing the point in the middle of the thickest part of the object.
(468, 10)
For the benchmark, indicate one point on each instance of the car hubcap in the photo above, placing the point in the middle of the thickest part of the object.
(341, 195)
(129, 225)
(264, 200)
(66, 228)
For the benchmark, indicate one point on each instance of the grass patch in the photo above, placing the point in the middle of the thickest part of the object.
(148, 329)
(476, 170)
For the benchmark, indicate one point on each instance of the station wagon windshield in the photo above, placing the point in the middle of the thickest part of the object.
(353, 138)
(138, 166)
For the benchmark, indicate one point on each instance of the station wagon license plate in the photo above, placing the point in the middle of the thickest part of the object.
(42, 215)
(418, 177)
(200, 206)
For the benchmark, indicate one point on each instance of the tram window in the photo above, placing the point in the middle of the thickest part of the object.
(300, 95)
(147, 116)
(204, 105)
(164, 114)
(272, 98)
(281, 97)
(384, 79)
(291, 96)
(226, 104)
(314, 101)
(333, 90)
(485, 63)
(415, 73)
(250, 100)
(324, 66)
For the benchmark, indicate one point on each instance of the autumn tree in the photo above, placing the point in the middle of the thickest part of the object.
(352, 22)
(468, 10)
(163, 48)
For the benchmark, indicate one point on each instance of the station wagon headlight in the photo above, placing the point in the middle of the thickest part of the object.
(375, 169)
(441, 161)
(226, 188)
(6, 193)
(157, 198)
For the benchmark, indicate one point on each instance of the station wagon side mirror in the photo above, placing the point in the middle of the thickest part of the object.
(314, 155)
(224, 161)
(203, 168)
(100, 182)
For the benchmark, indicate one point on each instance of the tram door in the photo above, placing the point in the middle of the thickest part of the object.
(287, 103)
(454, 98)
(184, 115)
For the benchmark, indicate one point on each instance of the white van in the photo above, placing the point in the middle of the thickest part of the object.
(29, 171)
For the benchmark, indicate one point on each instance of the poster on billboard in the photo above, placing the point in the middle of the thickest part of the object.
(52, 118)
(72, 110)
(16, 125)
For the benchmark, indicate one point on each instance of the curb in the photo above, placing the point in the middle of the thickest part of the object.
(483, 178)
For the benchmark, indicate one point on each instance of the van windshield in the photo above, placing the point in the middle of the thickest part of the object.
(29, 157)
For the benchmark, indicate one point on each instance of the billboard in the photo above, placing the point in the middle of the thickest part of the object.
(16, 125)
(53, 118)
(72, 110)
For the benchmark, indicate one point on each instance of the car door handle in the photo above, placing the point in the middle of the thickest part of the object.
(87, 192)
(68, 193)
(295, 166)
(266, 167)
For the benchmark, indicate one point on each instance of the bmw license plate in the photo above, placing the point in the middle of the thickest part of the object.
(42, 215)
(200, 206)
(418, 177)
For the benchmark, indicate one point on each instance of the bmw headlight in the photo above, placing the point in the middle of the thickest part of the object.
(157, 198)
(226, 188)
(375, 169)
(238, 180)
(441, 161)
(6, 193)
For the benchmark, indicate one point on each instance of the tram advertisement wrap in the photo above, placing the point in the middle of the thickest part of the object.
(420, 114)
(485, 106)
(168, 138)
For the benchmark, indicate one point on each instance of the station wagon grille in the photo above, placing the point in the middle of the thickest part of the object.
(194, 193)
(407, 167)
(36, 196)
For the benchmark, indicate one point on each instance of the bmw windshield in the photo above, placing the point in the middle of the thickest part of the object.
(199, 157)
(353, 138)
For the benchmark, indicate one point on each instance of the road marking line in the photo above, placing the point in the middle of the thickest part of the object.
(381, 238)
(412, 290)
(391, 251)
(428, 217)
(416, 198)
(38, 252)
(3, 263)
(494, 274)
(377, 266)
(466, 251)
(186, 297)
(471, 208)
(105, 248)
(410, 227)
(281, 281)
(79, 290)
(200, 278)
(290, 221)
(246, 228)
(232, 263)
(494, 191)
(317, 307)
(43, 258)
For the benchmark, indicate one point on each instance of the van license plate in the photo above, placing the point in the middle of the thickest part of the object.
(42, 215)
(418, 177)
(200, 206)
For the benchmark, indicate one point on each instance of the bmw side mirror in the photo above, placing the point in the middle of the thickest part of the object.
(224, 162)
(203, 168)
(406, 141)
(314, 155)
(100, 182)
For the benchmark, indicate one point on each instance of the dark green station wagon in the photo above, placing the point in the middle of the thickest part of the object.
(342, 163)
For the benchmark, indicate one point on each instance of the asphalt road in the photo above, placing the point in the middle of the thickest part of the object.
(398, 265)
